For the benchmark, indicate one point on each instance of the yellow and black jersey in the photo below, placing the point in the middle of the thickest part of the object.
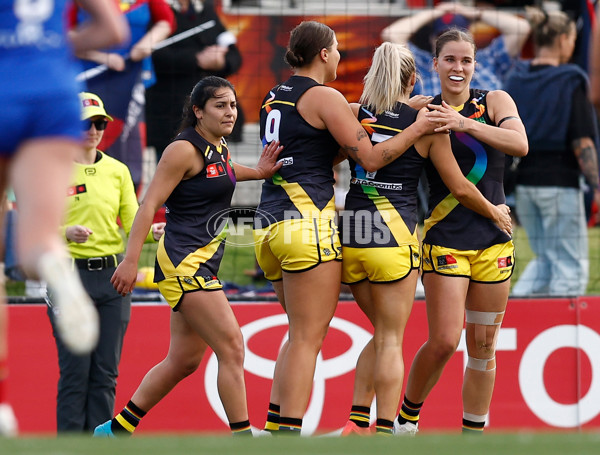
(381, 206)
(196, 215)
(448, 223)
(303, 187)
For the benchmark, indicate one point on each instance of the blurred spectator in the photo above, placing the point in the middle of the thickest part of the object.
(582, 12)
(493, 61)
(122, 86)
(178, 67)
(553, 100)
(102, 191)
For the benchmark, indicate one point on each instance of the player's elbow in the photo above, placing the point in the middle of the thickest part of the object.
(522, 147)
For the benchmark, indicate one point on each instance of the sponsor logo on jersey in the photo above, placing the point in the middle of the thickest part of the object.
(211, 281)
(90, 171)
(77, 189)
(391, 114)
(215, 170)
(287, 161)
(285, 88)
(504, 262)
(446, 261)
(381, 185)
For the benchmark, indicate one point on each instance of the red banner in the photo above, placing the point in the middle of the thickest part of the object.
(548, 374)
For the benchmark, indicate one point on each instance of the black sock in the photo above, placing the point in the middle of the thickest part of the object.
(290, 425)
(361, 416)
(409, 412)
(272, 423)
(384, 426)
(241, 428)
(128, 419)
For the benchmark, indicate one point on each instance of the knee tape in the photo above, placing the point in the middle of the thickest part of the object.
(481, 364)
(484, 317)
(481, 319)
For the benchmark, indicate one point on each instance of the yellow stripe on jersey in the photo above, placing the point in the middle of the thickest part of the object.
(189, 266)
(268, 103)
(440, 211)
(394, 221)
(302, 201)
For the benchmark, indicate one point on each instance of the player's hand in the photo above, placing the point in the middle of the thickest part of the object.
(502, 219)
(267, 164)
(124, 277)
(446, 118)
(418, 102)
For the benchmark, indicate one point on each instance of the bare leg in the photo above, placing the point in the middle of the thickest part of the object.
(478, 384)
(205, 318)
(445, 297)
(364, 387)
(393, 304)
(186, 350)
(40, 174)
(310, 298)
(274, 397)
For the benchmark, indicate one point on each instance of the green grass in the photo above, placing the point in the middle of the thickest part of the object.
(524, 255)
(423, 444)
(239, 256)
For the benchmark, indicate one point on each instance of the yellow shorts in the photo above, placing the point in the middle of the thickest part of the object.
(173, 288)
(379, 265)
(296, 245)
(492, 265)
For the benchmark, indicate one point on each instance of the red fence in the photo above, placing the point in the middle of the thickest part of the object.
(548, 373)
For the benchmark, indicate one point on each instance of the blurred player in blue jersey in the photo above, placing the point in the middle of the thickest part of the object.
(40, 133)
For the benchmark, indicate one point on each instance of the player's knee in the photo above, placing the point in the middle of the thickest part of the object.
(444, 348)
(182, 367)
(485, 326)
(231, 349)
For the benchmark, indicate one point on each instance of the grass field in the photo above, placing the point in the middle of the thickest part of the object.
(423, 444)
(239, 256)
(237, 259)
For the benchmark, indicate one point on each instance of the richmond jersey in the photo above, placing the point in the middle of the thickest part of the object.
(381, 206)
(196, 215)
(304, 184)
(449, 223)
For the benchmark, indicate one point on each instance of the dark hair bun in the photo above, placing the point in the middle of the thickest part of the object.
(295, 61)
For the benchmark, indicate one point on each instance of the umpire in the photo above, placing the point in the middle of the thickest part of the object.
(102, 193)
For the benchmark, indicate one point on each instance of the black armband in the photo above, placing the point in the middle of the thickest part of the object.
(510, 117)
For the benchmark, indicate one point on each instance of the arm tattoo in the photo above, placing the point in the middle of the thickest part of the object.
(352, 152)
(587, 159)
(461, 123)
(387, 155)
(361, 134)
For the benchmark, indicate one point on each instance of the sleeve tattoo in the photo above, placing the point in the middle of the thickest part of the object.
(588, 162)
